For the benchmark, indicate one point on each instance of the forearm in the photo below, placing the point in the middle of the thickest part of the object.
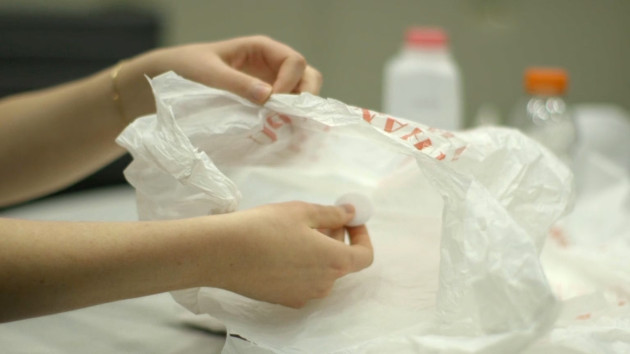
(48, 267)
(52, 138)
(272, 253)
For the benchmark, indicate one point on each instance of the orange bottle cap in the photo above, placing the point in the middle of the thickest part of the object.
(546, 81)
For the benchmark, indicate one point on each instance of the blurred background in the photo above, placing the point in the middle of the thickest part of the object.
(492, 41)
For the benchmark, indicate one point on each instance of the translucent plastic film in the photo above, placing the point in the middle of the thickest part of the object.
(458, 224)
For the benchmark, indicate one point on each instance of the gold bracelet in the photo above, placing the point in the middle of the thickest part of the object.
(116, 94)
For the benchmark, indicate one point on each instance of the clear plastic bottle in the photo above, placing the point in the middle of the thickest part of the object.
(422, 82)
(544, 114)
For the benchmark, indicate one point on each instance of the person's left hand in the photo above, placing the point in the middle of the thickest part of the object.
(252, 67)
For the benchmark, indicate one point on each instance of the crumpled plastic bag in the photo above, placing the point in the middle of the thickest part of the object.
(459, 218)
(587, 261)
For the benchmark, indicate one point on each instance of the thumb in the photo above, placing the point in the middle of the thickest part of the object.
(244, 85)
(329, 217)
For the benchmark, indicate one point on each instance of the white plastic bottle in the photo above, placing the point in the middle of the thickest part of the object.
(422, 82)
(544, 115)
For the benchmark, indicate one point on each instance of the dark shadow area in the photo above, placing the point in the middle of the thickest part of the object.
(44, 49)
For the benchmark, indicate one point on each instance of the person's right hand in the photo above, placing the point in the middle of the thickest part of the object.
(275, 253)
(272, 253)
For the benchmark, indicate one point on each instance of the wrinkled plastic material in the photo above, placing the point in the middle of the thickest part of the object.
(459, 218)
(587, 261)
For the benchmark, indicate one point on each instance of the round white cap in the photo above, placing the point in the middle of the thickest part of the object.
(362, 207)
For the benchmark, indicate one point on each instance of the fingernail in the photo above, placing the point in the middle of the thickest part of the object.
(260, 92)
(349, 208)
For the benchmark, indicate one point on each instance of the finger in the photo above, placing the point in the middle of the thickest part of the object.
(289, 64)
(361, 247)
(329, 217)
(290, 73)
(311, 81)
(338, 234)
(249, 87)
(326, 232)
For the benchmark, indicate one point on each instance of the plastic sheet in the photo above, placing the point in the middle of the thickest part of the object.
(459, 218)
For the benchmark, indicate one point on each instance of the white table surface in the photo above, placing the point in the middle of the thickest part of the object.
(151, 324)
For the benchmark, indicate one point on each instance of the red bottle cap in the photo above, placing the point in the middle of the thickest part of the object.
(426, 37)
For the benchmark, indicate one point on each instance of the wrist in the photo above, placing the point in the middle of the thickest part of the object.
(116, 92)
(203, 251)
(134, 97)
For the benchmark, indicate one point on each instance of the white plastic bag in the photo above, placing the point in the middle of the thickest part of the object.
(459, 220)
(587, 261)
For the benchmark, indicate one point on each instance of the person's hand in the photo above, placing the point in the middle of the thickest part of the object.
(278, 255)
(252, 67)
(272, 253)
